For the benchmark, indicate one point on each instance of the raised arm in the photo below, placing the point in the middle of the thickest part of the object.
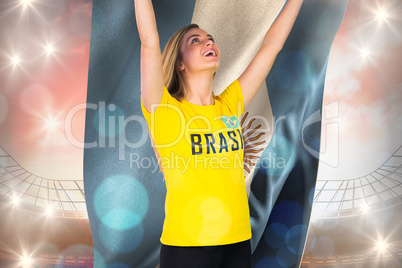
(256, 72)
(151, 58)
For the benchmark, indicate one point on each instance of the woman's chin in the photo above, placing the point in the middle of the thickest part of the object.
(215, 66)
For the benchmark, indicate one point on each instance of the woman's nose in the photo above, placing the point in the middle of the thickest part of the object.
(209, 42)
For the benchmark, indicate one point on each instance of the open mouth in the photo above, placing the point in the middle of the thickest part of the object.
(209, 53)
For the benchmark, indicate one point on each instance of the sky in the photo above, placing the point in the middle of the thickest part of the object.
(363, 80)
(44, 55)
(51, 39)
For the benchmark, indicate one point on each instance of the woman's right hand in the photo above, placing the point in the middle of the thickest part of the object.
(151, 58)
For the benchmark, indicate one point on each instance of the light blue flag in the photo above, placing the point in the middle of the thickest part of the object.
(282, 195)
(125, 192)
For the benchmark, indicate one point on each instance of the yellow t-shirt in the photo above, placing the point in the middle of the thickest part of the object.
(201, 155)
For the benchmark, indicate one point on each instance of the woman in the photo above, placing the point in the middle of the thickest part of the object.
(198, 139)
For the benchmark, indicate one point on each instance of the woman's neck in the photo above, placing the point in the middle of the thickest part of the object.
(199, 89)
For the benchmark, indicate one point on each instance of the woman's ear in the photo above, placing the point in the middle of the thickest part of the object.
(180, 66)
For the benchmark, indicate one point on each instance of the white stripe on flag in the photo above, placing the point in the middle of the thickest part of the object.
(238, 28)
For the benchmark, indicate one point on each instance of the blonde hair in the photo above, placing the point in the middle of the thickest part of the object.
(172, 77)
(171, 56)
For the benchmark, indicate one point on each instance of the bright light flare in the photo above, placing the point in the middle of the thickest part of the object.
(51, 124)
(49, 212)
(385, 15)
(15, 60)
(26, 261)
(49, 49)
(365, 52)
(381, 246)
(382, 14)
(26, 3)
(365, 208)
(15, 200)
(49, 128)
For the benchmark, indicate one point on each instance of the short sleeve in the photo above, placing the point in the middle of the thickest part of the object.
(166, 98)
(233, 95)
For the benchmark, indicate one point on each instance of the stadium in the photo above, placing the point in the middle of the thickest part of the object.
(355, 222)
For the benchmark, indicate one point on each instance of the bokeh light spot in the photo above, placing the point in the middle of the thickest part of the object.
(283, 78)
(35, 99)
(125, 210)
(106, 120)
(309, 240)
(294, 238)
(220, 223)
(285, 258)
(278, 157)
(99, 262)
(267, 262)
(211, 208)
(121, 241)
(323, 247)
(287, 212)
(275, 235)
(289, 75)
(209, 235)
(121, 219)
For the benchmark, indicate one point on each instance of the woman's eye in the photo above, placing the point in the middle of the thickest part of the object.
(194, 40)
(212, 40)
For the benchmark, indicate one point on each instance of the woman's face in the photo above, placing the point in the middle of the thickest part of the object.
(199, 52)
